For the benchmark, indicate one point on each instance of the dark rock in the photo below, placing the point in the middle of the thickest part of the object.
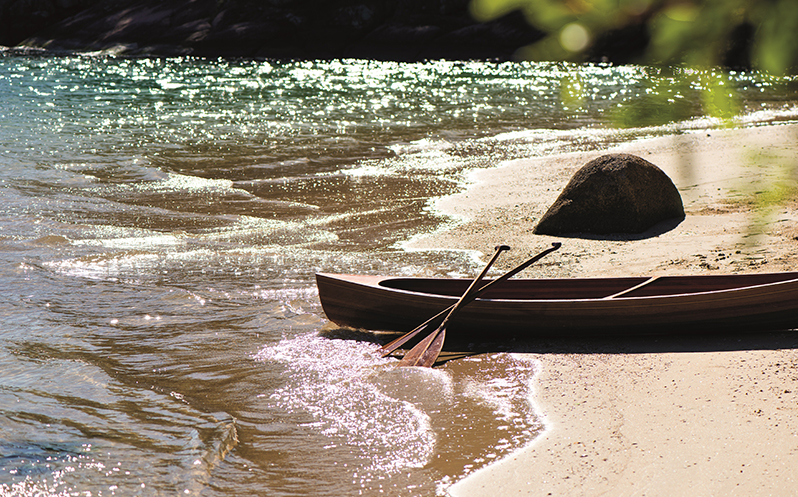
(395, 42)
(404, 30)
(616, 193)
(305, 29)
(20, 19)
(625, 45)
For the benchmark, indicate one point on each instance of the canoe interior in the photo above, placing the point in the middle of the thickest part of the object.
(588, 288)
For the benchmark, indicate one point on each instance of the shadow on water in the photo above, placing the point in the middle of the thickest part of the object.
(351, 334)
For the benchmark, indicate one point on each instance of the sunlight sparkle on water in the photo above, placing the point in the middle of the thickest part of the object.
(449, 421)
(329, 381)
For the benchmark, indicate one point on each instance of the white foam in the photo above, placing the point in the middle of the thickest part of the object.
(421, 146)
(534, 413)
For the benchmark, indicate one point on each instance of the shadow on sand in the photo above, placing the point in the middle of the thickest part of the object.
(456, 347)
(655, 231)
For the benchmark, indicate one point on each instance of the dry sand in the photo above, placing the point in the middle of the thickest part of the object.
(666, 416)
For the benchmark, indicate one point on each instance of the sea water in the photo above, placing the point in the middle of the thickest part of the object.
(161, 222)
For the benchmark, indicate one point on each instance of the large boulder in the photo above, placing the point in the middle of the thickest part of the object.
(615, 193)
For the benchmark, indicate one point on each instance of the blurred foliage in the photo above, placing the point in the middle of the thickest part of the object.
(690, 47)
(770, 191)
(698, 35)
(572, 92)
(672, 93)
(665, 101)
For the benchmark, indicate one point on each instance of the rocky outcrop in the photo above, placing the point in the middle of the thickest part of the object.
(20, 19)
(616, 193)
(405, 30)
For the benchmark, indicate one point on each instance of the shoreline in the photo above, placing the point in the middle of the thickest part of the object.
(712, 415)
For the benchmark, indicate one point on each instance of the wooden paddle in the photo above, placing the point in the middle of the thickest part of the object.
(390, 347)
(431, 346)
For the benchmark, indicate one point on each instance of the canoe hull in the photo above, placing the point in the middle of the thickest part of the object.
(673, 305)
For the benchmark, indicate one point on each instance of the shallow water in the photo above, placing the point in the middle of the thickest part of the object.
(161, 221)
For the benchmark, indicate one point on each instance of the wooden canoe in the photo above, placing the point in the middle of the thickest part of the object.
(561, 307)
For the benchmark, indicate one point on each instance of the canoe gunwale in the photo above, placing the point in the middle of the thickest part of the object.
(379, 280)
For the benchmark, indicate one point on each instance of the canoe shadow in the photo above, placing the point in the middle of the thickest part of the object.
(458, 347)
(672, 343)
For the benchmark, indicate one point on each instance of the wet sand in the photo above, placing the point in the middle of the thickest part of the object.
(667, 416)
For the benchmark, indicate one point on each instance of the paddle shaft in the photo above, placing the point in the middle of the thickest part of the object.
(428, 356)
(395, 344)
(413, 356)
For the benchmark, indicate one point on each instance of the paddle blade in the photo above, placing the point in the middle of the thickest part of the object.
(413, 355)
(428, 358)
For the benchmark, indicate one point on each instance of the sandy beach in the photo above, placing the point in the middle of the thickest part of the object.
(666, 416)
